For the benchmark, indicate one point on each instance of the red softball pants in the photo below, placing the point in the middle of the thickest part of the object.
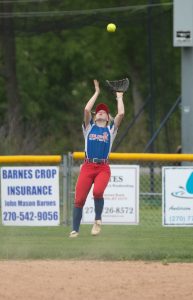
(91, 173)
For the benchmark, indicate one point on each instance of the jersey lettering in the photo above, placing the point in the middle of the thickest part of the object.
(98, 140)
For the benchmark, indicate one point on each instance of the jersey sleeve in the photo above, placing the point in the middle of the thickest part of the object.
(113, 131)
(113, 128)
(87, 129)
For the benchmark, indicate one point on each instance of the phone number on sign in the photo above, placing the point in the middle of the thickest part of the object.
(111, 210)
(30, 216)
(181, 219)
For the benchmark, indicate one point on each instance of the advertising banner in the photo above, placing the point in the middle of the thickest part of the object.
(121, 197)
(177, 196)
(30, 196)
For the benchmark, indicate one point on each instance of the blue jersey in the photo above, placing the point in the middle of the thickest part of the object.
(98, 140)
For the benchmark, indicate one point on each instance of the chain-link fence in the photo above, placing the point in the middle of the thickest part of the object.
(150, 187)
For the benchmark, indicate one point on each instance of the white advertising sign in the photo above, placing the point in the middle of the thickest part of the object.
(177, 196)
(30, 196)
(121, 197)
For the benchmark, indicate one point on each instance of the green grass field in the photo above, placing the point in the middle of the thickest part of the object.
(121, 242)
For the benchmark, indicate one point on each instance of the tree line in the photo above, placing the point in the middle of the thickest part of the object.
(51, 52)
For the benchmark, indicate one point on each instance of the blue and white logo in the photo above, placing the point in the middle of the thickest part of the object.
(187, 191)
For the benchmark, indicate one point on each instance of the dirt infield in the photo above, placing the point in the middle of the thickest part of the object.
(74, 280)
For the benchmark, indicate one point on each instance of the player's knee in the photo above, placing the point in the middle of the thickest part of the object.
(97, 194)
(79, 203)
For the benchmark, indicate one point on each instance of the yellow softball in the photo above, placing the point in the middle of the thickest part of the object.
(111, 27)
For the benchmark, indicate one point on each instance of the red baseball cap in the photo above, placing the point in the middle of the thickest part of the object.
(102, 106)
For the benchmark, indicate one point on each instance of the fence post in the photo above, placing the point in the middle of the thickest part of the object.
(69, 189)
(65, 190)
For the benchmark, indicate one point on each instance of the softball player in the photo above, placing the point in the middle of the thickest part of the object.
(99, 134)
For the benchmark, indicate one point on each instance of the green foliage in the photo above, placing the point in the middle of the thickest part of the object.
(59, 56)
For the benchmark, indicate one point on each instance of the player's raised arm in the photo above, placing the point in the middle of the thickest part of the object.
(120, 109)
(90, 103)
(118, 88)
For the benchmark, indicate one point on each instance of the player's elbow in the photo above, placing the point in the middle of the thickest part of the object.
(121, 115)
(86, 111)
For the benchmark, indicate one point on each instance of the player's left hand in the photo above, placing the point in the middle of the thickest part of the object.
(97, 88)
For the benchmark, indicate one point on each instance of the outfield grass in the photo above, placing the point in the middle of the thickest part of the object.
(115, 243)
(147, 241)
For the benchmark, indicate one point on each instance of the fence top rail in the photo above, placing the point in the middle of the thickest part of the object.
(6, 159)
(142, 156)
